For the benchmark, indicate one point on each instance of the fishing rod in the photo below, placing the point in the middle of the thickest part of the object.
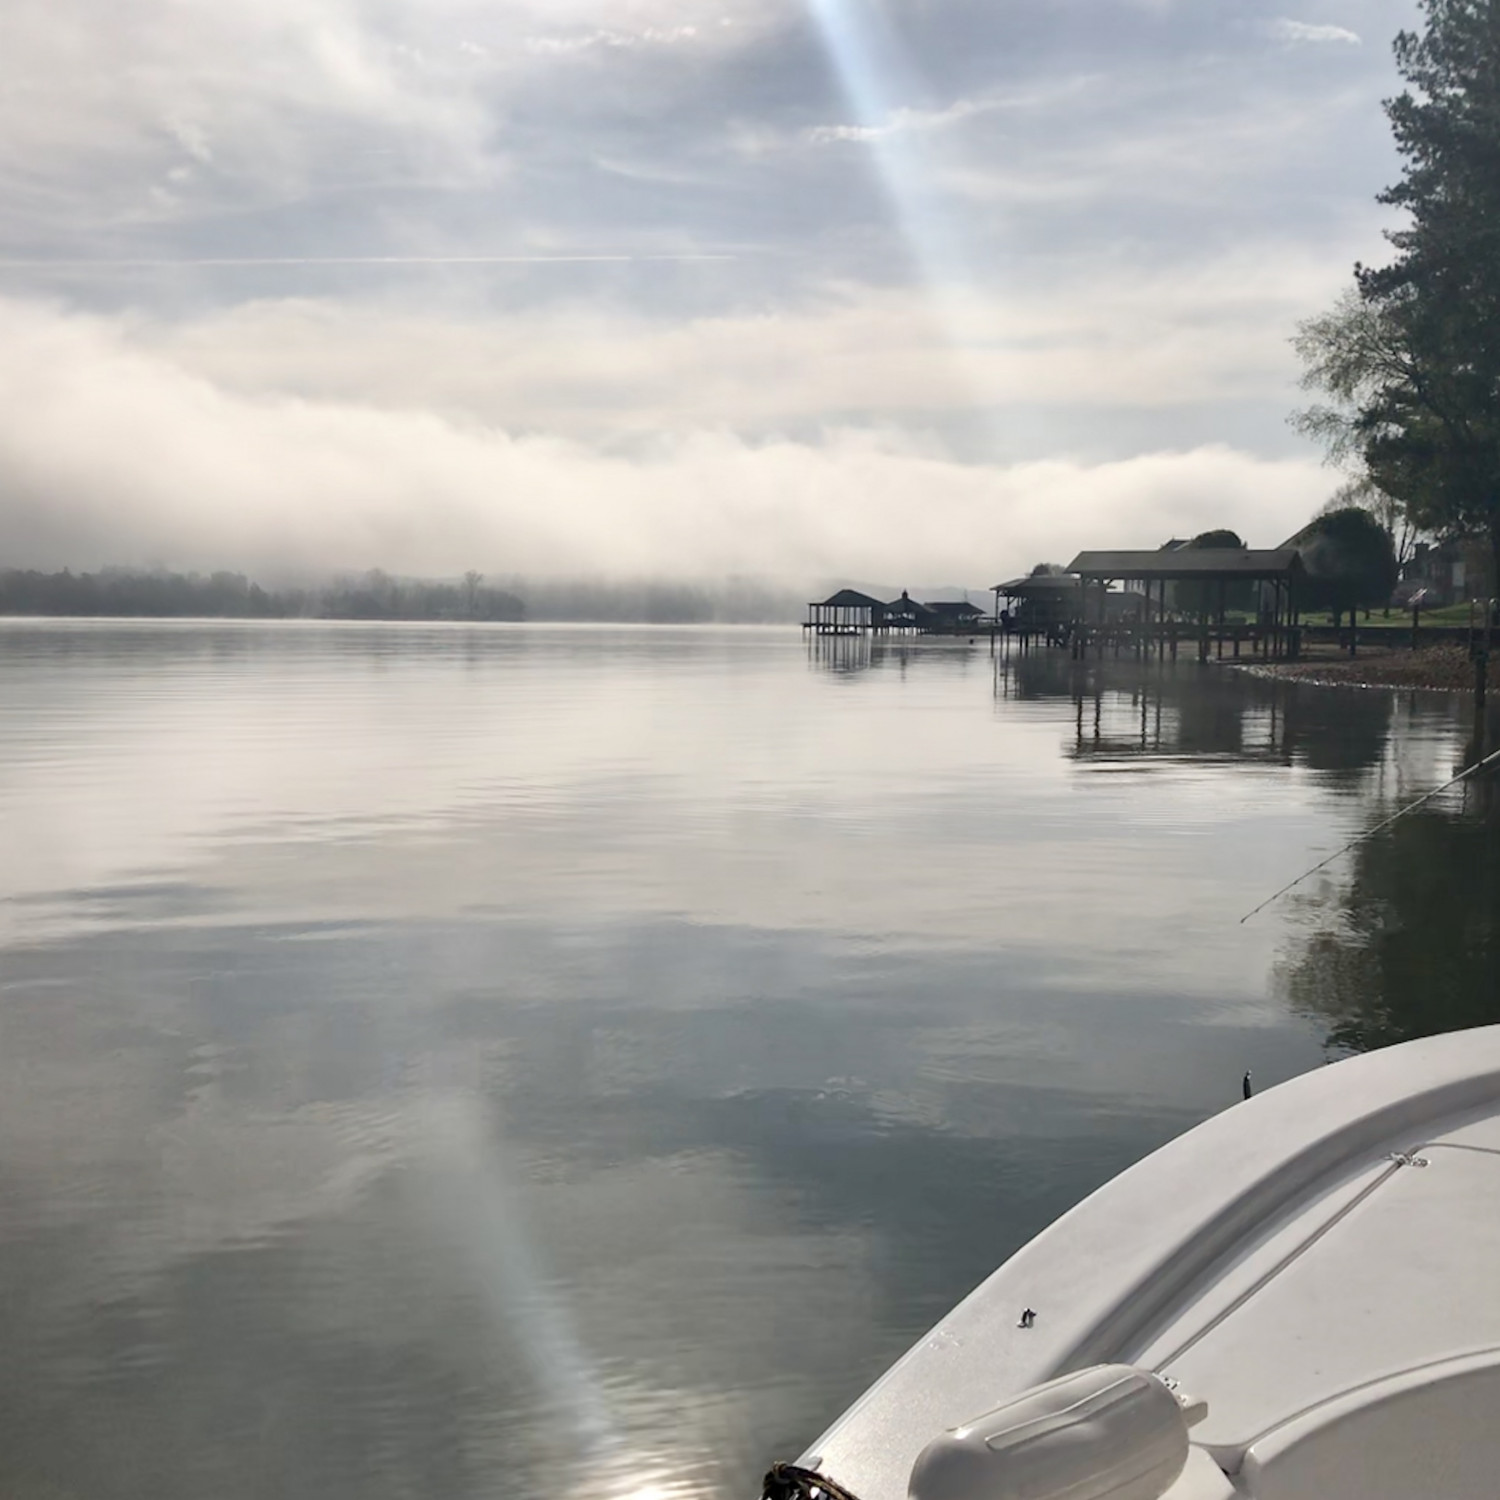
(1478, 765)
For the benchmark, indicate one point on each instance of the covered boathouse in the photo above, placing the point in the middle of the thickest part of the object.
(847, 612)
(850, 612)
(1046, 606)
(1269, 627)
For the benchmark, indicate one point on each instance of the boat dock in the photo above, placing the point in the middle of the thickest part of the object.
(1215, 601)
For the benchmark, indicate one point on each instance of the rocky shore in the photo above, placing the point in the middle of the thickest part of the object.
(1443, 668)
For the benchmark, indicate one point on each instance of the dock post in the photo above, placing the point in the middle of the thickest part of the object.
(1481, 671)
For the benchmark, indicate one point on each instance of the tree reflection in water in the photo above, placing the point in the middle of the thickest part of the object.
(1415, 947)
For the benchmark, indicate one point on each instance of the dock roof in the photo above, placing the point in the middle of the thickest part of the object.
(906, 605)
(851, 599)
(1035, 583)
(1190, 562)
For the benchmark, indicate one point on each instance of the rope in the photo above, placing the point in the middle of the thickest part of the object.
(788, 1482)
(1478, 765)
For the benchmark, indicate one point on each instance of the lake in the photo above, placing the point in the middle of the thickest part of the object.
(542, 1061)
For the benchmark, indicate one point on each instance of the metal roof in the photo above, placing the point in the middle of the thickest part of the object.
(906, 605)
(850, 599)
(1035, 582)
(1188, 562)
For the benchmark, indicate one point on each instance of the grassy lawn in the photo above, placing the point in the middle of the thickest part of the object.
(1400, 619)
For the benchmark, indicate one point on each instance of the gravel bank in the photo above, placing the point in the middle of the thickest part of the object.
(1445, 668)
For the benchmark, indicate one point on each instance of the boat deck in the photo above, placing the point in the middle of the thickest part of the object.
(1318, 1264)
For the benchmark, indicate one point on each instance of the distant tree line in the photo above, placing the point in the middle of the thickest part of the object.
(158, 594)
(378, 595)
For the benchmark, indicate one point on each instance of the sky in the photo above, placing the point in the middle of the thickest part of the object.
(797, 289)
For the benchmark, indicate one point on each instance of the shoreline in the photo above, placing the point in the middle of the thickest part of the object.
(1442, 668)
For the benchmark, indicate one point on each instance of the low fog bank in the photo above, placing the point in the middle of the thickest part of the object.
(734, 601)
(114, 451)
(377, 595)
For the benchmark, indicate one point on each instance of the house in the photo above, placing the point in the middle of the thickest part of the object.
(906, 613)
(954, 614)
(1450, 572)
(932, 617)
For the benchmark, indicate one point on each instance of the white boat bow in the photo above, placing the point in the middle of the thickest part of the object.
(1319, 1267)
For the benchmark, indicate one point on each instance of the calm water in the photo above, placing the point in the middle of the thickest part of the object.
(444, 1062)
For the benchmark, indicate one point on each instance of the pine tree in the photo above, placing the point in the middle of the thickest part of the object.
(1415, 360)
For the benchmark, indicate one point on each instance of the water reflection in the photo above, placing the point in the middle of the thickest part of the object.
(1411, 945)
(1408, 943)
(848, 654)
(1128, 711)
(1164, 717)
(844, 653)
(492, 1062)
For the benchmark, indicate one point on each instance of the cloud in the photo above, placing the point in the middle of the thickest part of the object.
(267, 96)
(1081, 338)
(382, 127)
(589, 41)
(422, 255)
(290, 98)
(904, 120)
(110, 452)
(1306, 31)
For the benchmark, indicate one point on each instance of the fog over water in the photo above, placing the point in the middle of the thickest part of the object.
(534, 1060)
